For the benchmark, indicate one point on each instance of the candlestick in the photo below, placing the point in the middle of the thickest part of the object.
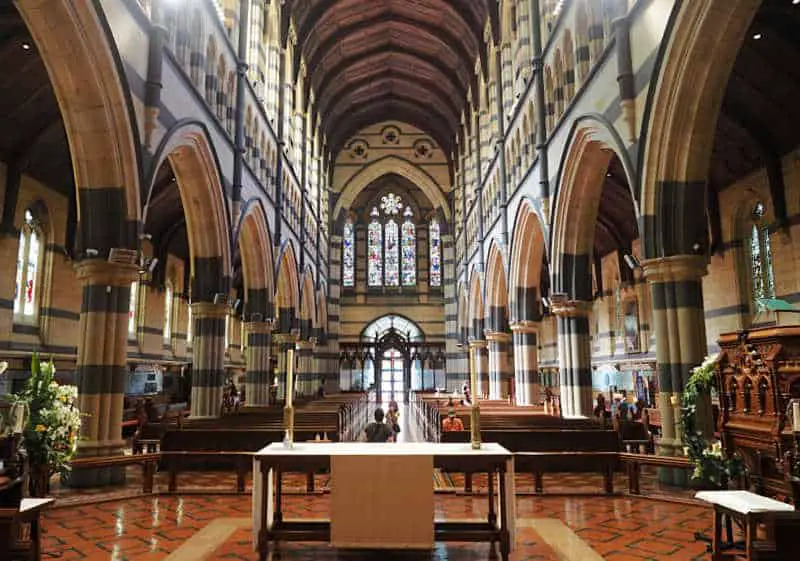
(796, 415)
(474, 417)
(289, 376)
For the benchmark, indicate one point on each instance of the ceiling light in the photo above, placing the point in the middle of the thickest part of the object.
(26, 46)
(795, 2)
(757, 36)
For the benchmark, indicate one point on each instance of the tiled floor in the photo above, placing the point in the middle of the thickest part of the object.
(549, 528)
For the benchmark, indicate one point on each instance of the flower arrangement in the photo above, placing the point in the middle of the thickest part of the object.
(711, 467)
(52, 421)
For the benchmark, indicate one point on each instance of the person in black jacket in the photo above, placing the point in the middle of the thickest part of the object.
(378, 431)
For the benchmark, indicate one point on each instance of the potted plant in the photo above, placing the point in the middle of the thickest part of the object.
(50, 426)
(712, 468)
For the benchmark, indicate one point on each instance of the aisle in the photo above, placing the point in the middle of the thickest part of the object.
(408, 428)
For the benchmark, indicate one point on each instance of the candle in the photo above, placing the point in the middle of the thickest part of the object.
(289, 376)
(796, 415)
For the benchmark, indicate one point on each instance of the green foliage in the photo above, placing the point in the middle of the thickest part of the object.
(711, 467)
(50, 433)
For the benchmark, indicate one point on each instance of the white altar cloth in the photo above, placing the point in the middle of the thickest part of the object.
(743, 502)
(354, 449)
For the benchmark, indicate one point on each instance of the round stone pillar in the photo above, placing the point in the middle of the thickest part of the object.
(305, 368)
(574, 356)
(101, 369)
(498, 364)
(526, 361)
(676, 286)
(258, 376)
(208, 354)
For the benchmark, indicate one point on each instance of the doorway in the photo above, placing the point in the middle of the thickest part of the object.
(393, 368)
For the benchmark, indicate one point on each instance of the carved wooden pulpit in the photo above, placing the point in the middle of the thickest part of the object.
(758, 376)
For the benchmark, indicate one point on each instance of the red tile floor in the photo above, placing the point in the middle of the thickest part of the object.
(150, 528)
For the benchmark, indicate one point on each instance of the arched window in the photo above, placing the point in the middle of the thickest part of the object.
(29, 259)
(391, 253)
(134, 299)
(435, 236)
(348, 254)
(168, 314)
(409, 249)
(375, 250)
(761, 271)
(189, 323)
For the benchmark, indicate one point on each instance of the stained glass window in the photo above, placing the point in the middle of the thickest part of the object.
(348, 254)
(409, 249)
(28, 259)
(390, 204)
(132, 308)
(375, 250)
(761, 256)
(435, 235)
(168, 314)
(392, 254)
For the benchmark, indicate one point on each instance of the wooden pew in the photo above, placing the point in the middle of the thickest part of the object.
(149, 462)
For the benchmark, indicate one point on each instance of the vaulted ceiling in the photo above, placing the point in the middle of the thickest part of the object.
(410, 60)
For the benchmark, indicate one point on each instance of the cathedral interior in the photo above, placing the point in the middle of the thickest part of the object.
(559, 230)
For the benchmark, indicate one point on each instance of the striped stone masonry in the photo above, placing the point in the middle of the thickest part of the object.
(306, 375)
(482, 366)
(499, 373)
(678, 320)
(258, 376)
(526, 362)
(574, 356)
(208, 354)
(101, 367)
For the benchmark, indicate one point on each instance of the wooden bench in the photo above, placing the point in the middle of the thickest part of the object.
(149, 462)
(175, 460)
(14, 544)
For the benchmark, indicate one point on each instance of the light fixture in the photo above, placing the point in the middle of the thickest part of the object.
(795, 2)
(26, 46)
(757, 36)
(631, 261)
(153, 265)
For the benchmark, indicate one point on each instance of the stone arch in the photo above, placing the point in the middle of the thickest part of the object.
(308, 305)
(684, 100)
(85, 70)
(322, 312)
(190, 153)
(592, 144)
(528, 252)
(255, 247)
(287, 288)
(496, 290)
(385, 166)
(476, 306)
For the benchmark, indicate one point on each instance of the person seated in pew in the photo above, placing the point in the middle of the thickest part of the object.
(600, 409)
(378, 431)
(452, 423)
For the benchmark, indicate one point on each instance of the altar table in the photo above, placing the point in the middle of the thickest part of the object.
(381, 494)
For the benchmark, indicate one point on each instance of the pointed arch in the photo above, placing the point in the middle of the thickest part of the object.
(287, 288)
(476, 306)
(528, 252)
(496, 289)
(85, 70)
(255, 248)
(188, 148)
(592, 143)
(322, 312)
(308, 305)
(385, 166)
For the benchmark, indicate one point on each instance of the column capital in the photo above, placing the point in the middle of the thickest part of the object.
(497, 336)
(675, 268)
(285, 338)
(102, 272)
(258, 327)
(304, 344)
(477, 344)
(570, 308)
(525, 326)
(209, 310)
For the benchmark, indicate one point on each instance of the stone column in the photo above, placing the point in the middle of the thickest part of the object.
(498, 364)
(482, 367)
(285, 342)
(526, 361)
(101, 369)
(305, 368)
(679, 324)
(574, 356)
(258, 376)
(208, 354)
